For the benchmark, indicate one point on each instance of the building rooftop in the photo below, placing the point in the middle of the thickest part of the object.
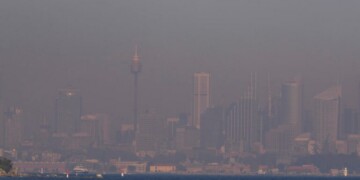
(330, 94)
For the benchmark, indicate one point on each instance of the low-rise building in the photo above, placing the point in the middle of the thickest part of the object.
(129, 166)
(46, 167)
(162, 168)
(304, 169)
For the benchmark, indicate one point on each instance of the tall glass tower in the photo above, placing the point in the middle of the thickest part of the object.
(243, 127)
(201, 96)
(68, 111)
(326, 117)
(291, 104)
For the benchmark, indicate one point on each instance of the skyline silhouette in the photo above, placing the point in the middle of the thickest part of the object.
(47, 46)
(184, 86)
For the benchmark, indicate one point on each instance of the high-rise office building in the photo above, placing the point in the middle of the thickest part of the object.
(68, 111)
(13, 127)
(97, 126)
(326, 117)
(125, 134)
(150, 134)
(243, 126)
(44, 134)
(201, 96)
(187, 138)
(279, 140)
(291, 104)
(350, 122)
(170, 126)
(211, 132)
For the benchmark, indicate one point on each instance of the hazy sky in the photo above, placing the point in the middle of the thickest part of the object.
(88, 44)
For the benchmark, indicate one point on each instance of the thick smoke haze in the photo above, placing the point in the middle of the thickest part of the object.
(88, 44)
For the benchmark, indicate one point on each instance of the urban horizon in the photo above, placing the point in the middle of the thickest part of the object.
(201, 86)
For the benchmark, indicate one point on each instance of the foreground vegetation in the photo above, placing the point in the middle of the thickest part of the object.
(5, 165)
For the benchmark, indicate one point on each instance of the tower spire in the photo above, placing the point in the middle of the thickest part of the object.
(136, 56)
(135, 64)
(135, 70)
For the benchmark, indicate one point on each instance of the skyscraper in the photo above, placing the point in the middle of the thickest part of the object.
(243, 127)
(211, 134)
(201, 96)
(350, 122)
(150, 134)
(68, 111)
(291, 104)
(326, 117)
(13, 127)
(97, 126)
(135, 70)
(281, 138)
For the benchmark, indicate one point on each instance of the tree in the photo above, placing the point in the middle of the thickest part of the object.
(5, 164)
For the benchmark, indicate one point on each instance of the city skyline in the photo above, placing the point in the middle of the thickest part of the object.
(285, 91)
(203, 86)
(65, 46)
